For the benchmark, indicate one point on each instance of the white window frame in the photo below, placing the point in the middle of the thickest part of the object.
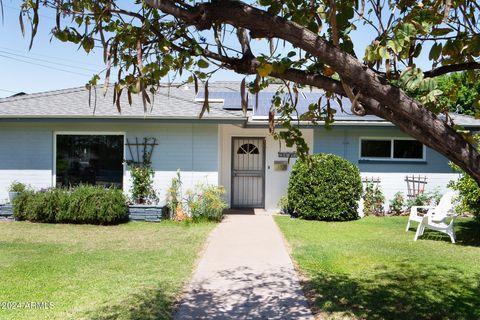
(391, 158)
(87, 133)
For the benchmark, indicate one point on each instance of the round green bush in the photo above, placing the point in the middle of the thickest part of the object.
(325, 187)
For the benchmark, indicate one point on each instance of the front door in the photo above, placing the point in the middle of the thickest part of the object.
(248, 172)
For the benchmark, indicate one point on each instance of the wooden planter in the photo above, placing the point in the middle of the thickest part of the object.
(144, 212)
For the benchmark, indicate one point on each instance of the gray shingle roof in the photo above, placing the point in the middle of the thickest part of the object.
(171, 102)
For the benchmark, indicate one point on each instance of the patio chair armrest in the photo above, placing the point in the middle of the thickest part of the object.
(447, 216)
(414, 209)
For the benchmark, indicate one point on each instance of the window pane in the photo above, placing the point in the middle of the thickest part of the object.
(247, 148)
(88, 159)
(375, 148)
(407, 149)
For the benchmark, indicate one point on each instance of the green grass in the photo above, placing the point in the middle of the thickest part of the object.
(371, 268)
(129, 271)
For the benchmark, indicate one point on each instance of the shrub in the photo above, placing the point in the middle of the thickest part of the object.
(373, 200)
(469, 195)
(424, 199)
(84, 204)
(20, 203)
(283, 205)
(16, 186)
(468, 189)
(325, 187)
(205, 203)
(397, 204)
(142, 184)
(45, 205)
(174, 195)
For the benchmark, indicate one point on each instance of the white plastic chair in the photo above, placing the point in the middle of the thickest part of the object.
(442, 209)
(441, 226)
(436, 217)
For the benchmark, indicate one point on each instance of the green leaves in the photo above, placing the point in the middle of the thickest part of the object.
(265, 69)
(395, 46)
(88, 43)
(441, 31)
(202, 64)
(435, 51)
(411, 78)
(383, 52)
(325, 187)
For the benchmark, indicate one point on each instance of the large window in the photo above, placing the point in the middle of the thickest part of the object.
(89, 159)
(391, 149)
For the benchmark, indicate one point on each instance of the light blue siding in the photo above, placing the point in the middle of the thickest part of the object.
(344, 141)
(188, 147)
(25, 149)
(205, 148)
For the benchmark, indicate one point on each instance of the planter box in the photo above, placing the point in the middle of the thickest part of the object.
(6, 212)
(152, 213)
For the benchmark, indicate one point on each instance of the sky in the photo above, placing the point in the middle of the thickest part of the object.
(54, 65)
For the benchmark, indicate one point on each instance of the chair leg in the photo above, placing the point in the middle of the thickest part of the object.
(419, 231)
(451, 234)
(452, 237)
(408, 226)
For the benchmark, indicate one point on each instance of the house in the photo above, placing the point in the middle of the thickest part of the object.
(58, 138)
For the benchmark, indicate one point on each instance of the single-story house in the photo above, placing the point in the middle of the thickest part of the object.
(58, 138)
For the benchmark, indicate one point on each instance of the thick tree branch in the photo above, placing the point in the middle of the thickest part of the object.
(452, 68)
(393, 104)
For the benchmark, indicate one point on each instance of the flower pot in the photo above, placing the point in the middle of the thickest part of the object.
(12, 195)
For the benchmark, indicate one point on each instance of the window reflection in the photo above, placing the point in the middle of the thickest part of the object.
(89, 159)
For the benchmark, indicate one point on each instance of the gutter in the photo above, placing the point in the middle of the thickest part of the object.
(263, 122)
(120, 119)
(255, 122)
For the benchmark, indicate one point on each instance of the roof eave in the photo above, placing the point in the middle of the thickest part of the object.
(40, 118)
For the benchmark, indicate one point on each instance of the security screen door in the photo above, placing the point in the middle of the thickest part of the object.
(248, 172)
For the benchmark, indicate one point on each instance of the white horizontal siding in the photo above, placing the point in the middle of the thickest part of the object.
(37, 179)
(393, 182)
(190, 180)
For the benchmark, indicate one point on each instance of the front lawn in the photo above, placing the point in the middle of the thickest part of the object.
(129, 271)
(371, 268)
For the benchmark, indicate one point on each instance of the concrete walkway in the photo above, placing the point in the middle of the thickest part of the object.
(245, 273)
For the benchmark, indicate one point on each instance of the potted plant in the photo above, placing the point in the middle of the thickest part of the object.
(15, 189)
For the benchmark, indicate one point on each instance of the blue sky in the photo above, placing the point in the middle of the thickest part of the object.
(52, 65)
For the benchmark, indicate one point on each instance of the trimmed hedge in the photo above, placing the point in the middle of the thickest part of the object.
(325, 187)
(84, 204)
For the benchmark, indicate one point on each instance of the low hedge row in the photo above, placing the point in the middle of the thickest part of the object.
(84, 204)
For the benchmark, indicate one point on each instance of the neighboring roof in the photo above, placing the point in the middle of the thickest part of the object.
(466, 121)
(176, 102)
